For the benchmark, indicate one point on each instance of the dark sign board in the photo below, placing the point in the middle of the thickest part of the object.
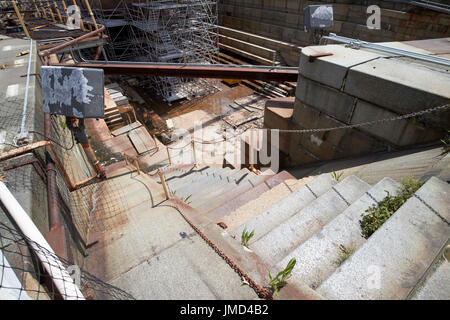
(318, 17)
(73, 92)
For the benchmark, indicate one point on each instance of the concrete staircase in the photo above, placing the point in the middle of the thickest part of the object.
(312, 219)
(318, 218)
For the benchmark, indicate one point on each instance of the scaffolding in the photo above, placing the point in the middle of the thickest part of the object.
(170, 31)
(116, 21)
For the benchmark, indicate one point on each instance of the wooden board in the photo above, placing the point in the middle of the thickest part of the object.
(240, 117)
(126, 128)
(141, 140)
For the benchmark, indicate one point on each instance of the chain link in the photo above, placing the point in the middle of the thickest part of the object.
(369, 123)
(260, 291)
(350, 126)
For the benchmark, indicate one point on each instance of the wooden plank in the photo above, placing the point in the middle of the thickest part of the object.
(240, 117)
(126, 128)
(112, 85)
(141, 140)
(116, 95)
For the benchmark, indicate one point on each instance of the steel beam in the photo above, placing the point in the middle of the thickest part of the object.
(194, 71)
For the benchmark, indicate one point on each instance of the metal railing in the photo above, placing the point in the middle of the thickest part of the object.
(356, 44)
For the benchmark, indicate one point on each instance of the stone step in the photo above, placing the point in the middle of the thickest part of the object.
(395, 257)
(254, 193)
(255, 207)
(223, 185)
(276, 244)
(206, 179)
(228, 196)
(190, 178)
(319, 256)
(207, 182)
(285, 209)
(437, 283)
(439, 170)
(178, 171)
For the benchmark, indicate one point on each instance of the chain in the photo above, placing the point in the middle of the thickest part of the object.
(261, 292)
(369, 123)
(350, 126)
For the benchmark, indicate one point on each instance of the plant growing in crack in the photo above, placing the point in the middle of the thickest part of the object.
(246, 236)
(446, 143)
(280, 280)
(379, 213)
(185, 200)
(345, 253)
(337, 176)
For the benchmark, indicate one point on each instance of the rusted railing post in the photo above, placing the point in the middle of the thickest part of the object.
(136, 164)
(194, 154)
(57, 12)
(22, 23)
(37, 9)
(51, 11)
(168, 156)
(163, 182)
(153, 137)
(65, 9)
(44, 12)
(91, 14)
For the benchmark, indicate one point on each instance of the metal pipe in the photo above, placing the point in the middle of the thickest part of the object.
(57, 12)
(72, 42)
(43, 10)
(60, 278)
(374, 46)
(19, 16)
(163, 182)
(51, 11)
(192, 71)
(22, 150)
(52, 187)
(23, 136)
(194, 154)
(37, 9)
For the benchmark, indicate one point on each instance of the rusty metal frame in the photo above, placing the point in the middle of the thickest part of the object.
(70, 43)
(50, 148)
(192, 71)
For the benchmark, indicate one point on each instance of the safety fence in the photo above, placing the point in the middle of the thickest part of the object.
(24, 278)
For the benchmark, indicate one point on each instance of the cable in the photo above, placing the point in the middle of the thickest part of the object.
(56, 142)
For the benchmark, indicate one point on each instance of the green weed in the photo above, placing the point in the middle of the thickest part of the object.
(280, 280)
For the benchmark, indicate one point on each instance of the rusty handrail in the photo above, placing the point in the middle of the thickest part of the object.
(72, 42)
(135, 161)
(49, 144)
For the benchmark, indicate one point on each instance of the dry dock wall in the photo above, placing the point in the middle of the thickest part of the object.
(356, 86)
(283, 20)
